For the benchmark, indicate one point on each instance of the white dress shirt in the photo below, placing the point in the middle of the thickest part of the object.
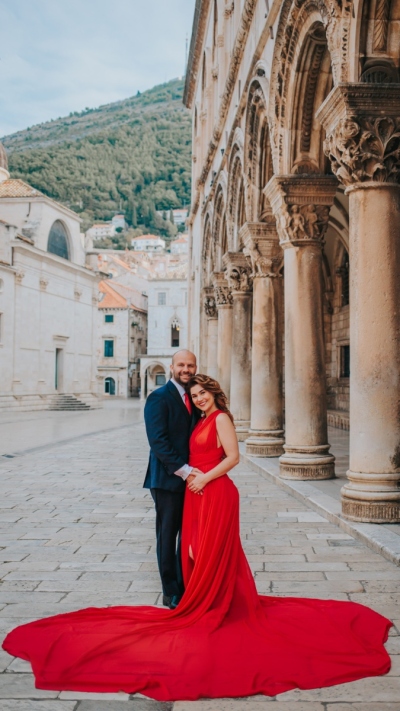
(184, 471)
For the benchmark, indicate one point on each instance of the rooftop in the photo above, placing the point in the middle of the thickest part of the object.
(14, 187)
(119, 296)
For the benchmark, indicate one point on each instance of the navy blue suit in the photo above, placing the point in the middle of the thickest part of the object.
(168, 427)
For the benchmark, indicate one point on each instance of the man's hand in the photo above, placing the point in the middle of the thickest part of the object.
(192, 476)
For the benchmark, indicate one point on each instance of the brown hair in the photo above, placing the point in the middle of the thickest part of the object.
(212, 386)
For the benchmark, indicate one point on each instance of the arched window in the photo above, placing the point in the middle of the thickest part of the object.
(175, 332)
(58, 240)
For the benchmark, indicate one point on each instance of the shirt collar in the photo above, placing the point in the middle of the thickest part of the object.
(181, 390)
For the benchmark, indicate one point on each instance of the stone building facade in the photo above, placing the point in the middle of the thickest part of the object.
(294, 232)
(48, 301)
(121, 338)
(167, 330)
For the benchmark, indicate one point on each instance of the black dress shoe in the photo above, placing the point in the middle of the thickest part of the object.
(171, 601)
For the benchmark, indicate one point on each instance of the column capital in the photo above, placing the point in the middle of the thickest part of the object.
(222, 292)
(210, 307)
(362, 124)
(261, 246)
(301, 205)
(238, 272)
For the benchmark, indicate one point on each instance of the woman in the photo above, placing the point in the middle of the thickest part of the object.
(224, 639)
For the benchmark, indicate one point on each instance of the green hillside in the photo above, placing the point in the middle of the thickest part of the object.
(131, 156)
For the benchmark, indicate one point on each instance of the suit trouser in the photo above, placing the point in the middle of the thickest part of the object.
(169, 510)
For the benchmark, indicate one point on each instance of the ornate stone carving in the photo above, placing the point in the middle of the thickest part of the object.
(214, 72)
(19, 275)
(381, 25)
(229, 10)
(365, 149)
(362, 144)
(222, 292)
(301, 206)
(43, 283)
(238, 272)
(210, 306)
(261, 246)
(77, 293)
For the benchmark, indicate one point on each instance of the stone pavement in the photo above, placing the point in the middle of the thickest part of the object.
(77, 529)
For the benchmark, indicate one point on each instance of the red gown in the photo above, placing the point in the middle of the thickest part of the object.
(224, 640)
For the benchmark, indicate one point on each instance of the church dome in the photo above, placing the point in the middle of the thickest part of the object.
(4, 174)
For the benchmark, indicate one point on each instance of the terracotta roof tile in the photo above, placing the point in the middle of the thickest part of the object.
(18, 188)
(119, 296)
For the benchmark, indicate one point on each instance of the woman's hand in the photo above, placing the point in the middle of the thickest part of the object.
(197, 483)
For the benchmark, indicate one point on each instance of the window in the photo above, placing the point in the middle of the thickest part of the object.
(160, 379)
(109, 318)
(345, 361)
(109, 349)
(58, 240)
(162, 298)
(175, 335)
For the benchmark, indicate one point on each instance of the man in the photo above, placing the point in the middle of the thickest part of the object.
(170, 418)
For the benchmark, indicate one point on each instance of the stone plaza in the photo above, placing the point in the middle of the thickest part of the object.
(77, 530)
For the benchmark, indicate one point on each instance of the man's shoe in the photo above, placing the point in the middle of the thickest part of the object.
(175, 600)
(171, 601)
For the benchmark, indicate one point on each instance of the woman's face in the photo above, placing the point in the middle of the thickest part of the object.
(202, 398)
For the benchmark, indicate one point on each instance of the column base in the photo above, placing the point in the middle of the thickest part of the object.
(307, 463)
(265, 443)
(242, 428)
(371, 500)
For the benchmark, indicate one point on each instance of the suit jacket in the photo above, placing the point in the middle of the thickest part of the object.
(168, 426)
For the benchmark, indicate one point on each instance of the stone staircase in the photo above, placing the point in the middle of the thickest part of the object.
(68, 402)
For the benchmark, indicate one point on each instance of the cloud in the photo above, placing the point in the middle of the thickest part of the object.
(58, 56)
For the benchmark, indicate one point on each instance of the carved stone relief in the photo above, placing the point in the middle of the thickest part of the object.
(365, 149)
(238, 272)
(210, 306)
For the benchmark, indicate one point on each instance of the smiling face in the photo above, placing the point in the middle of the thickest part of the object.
(203, 399)
(183, 367)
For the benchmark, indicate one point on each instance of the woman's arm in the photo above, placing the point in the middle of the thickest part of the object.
(227, 437)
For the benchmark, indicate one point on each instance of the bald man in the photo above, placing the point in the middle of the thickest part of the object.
(169, 419)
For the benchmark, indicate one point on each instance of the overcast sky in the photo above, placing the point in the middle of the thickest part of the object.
(58, 56)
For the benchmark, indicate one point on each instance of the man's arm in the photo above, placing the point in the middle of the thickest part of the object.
(156, 420)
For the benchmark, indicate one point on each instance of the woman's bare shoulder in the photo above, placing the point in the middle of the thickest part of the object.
(223, 418)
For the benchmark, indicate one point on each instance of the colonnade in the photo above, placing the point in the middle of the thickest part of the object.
(245, 323)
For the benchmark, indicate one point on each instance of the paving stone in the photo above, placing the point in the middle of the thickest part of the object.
(75, 540)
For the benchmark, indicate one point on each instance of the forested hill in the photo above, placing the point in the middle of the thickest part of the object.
(131, 156)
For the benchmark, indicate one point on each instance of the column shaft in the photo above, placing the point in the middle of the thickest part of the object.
(212, 347)
(373, 493)
(241, 362)
(224, 356)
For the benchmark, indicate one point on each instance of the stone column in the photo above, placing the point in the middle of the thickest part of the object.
(265, 255)
(223, 300)
(239, 281)
(210, 309)
(301, 207)
(363, 143)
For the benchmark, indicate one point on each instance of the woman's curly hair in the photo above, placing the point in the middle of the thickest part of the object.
(212, 386)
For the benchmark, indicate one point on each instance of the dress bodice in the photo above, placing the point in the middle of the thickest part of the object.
(204, 451)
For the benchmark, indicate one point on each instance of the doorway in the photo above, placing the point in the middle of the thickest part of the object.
(109, 386)
(58, 379)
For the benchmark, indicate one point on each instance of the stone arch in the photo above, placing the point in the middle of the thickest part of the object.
(257, 152)
(295, 22)
(59, 242)
(207, 248)
(219, 227)
(236, 208)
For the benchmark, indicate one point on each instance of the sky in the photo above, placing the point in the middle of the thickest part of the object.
(58, 56)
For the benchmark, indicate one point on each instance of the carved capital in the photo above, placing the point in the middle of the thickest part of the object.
(43, 282)
(301, 206)
(362, 123)
(238, 272)
(261, 247)
(222, 292)
(210, 306)
(19, 275)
